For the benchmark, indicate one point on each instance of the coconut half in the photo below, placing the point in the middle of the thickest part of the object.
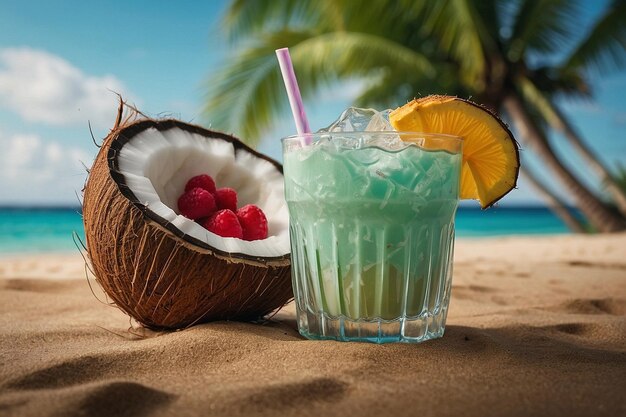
(163, 269)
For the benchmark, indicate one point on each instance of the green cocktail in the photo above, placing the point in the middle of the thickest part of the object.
(372, 233)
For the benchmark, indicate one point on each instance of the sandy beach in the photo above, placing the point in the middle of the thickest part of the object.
(537, 326)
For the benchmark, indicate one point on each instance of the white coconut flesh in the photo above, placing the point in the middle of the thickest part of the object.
(156, 165)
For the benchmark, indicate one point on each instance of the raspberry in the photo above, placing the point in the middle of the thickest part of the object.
(196, 203)
(201, 181)
(253, 222)
(224, 223)
(226, 198)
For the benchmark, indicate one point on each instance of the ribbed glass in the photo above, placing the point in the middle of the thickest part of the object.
(372, 237)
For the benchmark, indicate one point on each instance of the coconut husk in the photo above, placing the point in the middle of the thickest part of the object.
(160, 279)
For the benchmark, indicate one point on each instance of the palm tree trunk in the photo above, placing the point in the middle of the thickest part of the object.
(619, 196)
(600, 216)
(555, 203)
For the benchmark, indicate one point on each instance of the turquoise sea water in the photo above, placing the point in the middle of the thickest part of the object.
(32, 230)
(50, 230)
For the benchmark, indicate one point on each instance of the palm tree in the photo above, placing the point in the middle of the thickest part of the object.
(556, 204)
(605, 42)
(480, 48)
(621, 177)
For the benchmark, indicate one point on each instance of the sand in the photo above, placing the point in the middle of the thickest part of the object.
(537, 326)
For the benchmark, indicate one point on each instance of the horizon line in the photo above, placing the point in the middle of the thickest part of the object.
(61, 206)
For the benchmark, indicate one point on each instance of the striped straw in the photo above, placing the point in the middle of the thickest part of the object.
(293, 92)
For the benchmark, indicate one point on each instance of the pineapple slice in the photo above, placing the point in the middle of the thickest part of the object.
(490, 153)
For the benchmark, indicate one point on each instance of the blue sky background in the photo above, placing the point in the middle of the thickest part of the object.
(59, 60)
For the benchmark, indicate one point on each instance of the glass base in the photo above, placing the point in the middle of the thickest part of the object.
(403, 329)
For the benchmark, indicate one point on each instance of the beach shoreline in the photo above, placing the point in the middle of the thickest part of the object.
(537, 326)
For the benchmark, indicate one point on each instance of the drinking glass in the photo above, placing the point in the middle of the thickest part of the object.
(372, 233)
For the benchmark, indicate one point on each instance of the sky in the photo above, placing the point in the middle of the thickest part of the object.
(62, 63)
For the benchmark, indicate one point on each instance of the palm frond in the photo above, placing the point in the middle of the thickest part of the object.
(461, 31)
(620, 176)
(568, 83)
(534, 113)
(604, 49)
(490, 12)
(538, 101)
(246, 95)
(353, 53)
(382, 92)
(244, 18)
(541, 25)
(394, 88)
(394, 19)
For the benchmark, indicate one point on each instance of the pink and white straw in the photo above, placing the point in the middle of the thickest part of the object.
(293, 92)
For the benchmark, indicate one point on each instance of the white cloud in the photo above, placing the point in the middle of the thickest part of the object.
(42, 87)
(19, 153)
(54, 153)
(35, 170)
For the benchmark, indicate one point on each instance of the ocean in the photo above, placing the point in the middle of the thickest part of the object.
(37, 230)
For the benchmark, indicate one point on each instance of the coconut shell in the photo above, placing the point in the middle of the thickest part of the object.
(159, 278)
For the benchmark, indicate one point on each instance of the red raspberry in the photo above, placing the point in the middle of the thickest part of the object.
(226, 198)
(253, 222)
(224, 223)
(201, 181)
(196, 203)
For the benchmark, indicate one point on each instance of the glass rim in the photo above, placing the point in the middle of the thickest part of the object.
(443, 136)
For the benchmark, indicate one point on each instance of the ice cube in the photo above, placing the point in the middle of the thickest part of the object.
(364, 156)
(387, 141)
(379, 122)
(354, 119)
(346, 142)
